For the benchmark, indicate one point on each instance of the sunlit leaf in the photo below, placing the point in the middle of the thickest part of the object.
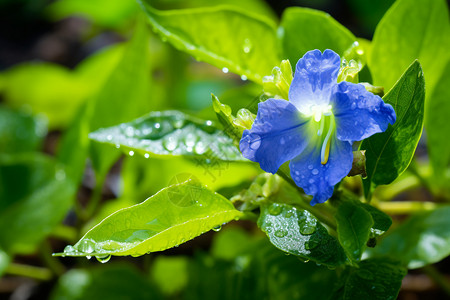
(225, 37)
(174, 215)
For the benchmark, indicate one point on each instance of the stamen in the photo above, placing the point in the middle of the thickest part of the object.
(325, 151)
(317, 115)
(322, 124)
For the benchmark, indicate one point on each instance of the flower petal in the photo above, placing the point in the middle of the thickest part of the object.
(359, 113)
(316, 179)
(276, 135)
(315, 75)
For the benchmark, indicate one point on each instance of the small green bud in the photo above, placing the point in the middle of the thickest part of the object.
(349, 71)
(359, 164)
(376, 90)
(244, 119)
(277, 85)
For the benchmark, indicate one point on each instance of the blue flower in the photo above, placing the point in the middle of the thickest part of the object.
(315, 129)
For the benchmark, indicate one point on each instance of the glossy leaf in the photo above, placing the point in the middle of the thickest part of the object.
(353, 227)
(389, 153)
(20, 132)
(411, 29)
(374, 279)
(225, 37)
(305, 29)
(170, 133)
(108, 282)
(35, 196)
(174, 215)
(298, 232)
(437, 127)
(421, 240)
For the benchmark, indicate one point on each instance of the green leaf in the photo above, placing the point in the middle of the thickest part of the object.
(170, 133)
(437, 127)
(20, 132)
(170, 274)
(375, 279)
(244, 43)
(35, 196)
(174, 215)
(411, 29)
(305, 29)
(353, 228)
(117, 14)
(423, 239)
(298, 232)
(389, 153)
(47, 89)
(108, 282)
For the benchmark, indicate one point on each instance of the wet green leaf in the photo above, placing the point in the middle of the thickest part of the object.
(173, 216)
(423, 239)
(108, 282)
(20, 132)
(305, 29)
(298, 232)
(225, 37)
(374, 279)
(170, 133)
(389, 153)
(353, 228)
(35, 196)
(411, 29)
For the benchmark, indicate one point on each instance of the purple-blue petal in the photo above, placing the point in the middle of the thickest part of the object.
(319, 180)
(359, 113)
(276, 135)
(315, 75)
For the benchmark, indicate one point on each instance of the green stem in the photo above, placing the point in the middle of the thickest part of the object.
(29, 271)
(405, 207)
(95, 198)
(51, 262)
(414, 169)
(438, 278)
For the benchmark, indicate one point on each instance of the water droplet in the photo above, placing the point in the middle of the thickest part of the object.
(353, 106)
(281, 233)
(275, 209)
(131, 153)
(190, 140)
(117, 146)
(200, 148)
(282, 141)
(146, 155)
(310, 167)
(109, 137)
(356, 123)
(103, 259)
(247, 47)
(170, 143)
(311, 244)
(315, 172)
(129, 131)
(244, 77)
(87, 246)
(225, 70)
(311, 181)
(288, 214)
(217, 228)
(307, 224)
(69, 249)
(208, 123)
(157, 125)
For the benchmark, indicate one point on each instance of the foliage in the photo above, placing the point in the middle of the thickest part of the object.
(135, 121)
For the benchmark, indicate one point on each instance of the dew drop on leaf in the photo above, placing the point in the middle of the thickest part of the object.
(217, 228)
(103, 259)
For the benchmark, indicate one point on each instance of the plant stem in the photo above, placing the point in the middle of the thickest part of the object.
(29, 271)
(406, 207)
(438, 278)
(95, 198)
